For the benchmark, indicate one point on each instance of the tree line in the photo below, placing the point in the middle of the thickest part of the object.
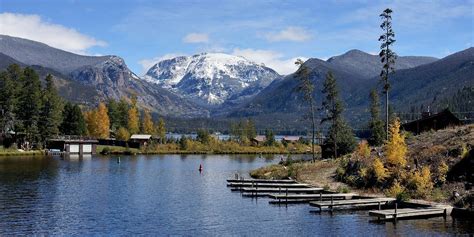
(33, 111)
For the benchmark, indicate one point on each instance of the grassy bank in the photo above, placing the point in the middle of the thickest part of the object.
(16, 152)
(217, 147)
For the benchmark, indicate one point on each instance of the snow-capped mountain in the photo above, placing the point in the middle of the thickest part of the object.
(211, 78)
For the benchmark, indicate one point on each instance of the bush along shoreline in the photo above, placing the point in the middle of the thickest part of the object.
(433, 166)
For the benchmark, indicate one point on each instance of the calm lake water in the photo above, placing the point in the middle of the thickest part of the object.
(166, 195)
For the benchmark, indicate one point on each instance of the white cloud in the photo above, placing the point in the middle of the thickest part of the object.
(196, 38)
(148, 63)
(35, 28)
(291, 33)
(271, 59)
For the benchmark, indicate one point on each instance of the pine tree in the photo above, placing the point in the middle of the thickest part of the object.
(51, 111)
(147, 123)
(73, 120)
(9, 94)
(307, 88)
(30, 105)
(161, 130)
(387, 57)
(340, 136)
(114, 114)
(270, 138)
(122, 115)
(376, 125)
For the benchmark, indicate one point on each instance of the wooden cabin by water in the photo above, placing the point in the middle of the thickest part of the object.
(429, 122)
(73, 145)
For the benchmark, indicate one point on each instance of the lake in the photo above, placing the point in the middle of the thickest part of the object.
(167, 195)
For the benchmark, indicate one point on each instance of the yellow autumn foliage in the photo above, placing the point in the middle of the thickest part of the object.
(363, 150)
(395, 148)
(122, 134)
(395, 190)
(98, 122)
(420, 182)
(147, 123)
(133, 120)
(380, 172)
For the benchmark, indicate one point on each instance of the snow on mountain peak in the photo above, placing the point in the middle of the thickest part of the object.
(212, 78)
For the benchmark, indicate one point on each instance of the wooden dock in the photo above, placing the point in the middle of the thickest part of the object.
(305, 198)
(406, 213)
(278, 190)
(278, 181)
(269, 185)
(354, 203)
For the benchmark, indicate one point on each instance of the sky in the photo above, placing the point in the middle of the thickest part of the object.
(273, 32)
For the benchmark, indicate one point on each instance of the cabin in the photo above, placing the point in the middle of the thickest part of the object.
(141, 139)
(430, 121)
(73, 145)
(259, 140)
(290, 139)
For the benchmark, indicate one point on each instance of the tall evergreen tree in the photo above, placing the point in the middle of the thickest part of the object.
(73, 121)
(307, 88)
(114, 114)
(270, 138)
(161, 130)
(340, 135)
(376, 126)
(387, 57)
(250, 129)
(30, 105)
(9, 93)
(51, 111)
(122, 115)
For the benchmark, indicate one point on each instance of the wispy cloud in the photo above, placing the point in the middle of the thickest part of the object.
(35, 28)
(291, 33)
(271, 59)
(196, 38)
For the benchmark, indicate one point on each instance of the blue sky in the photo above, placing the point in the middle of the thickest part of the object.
(270, 32)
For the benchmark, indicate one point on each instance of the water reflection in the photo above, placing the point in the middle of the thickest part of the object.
(166, 195)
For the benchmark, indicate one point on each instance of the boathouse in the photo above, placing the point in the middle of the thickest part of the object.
(429, 122)
(141, 139)
(73, 145)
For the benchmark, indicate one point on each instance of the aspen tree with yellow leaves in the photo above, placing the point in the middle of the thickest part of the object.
(395, 148)
(147, 123)
(133, 118)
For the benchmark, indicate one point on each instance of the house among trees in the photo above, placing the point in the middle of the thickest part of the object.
(290, 139)
(73, 145)
(141, 139)
(259, 140)
(429, 122)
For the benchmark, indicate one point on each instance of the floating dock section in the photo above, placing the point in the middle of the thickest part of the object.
(406, 213)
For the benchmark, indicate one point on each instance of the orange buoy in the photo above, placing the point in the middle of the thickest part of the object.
(200, 167)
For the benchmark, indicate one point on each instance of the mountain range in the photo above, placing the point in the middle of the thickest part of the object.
(221, 86)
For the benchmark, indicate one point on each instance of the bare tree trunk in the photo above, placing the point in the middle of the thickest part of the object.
(386, 111)
(313, 130)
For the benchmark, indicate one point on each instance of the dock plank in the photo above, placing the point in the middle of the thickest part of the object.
(406, 213)
(354, 203)
(270, 185)
(279, 190)
(261, 181)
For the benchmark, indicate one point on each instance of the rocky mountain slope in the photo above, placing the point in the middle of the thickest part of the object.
(211, 78)
(108, 75)
(421, 80)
